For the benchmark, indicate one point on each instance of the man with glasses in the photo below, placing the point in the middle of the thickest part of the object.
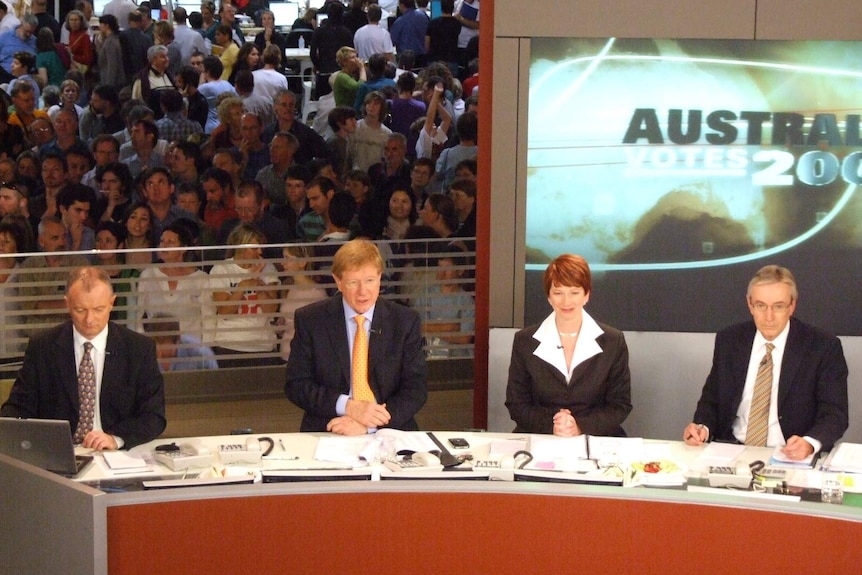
(18, 40)
(775, 381)
(353, 382)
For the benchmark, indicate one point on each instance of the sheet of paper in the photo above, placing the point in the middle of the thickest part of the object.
(778, 458)
(502, 447)
(412, 440)
(615, 450)
(343, 450)
(719, 454)
(123, 460)
(846, 457)
(557, 453)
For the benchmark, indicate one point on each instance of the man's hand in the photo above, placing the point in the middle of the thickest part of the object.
(100, 441)
(345, 425)
(695, 434)
(797, 448)
(368, 413)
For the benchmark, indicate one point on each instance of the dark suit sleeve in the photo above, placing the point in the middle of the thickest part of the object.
(524, 409)
(26, 394)
(408, 391)
(708, 406)
(133, 406)
(301, 385)
(610, 409)
(828, 394)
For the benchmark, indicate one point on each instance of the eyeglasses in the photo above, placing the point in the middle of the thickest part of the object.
(11, 186)
(779, 307)
(245, 210)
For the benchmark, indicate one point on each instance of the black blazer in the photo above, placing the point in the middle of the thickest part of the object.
(599, 395)
(318, 369)
(131, 400)
(812, 389)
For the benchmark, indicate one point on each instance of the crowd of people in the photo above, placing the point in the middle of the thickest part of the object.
(148, 138)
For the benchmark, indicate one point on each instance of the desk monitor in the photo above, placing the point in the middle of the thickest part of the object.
(285, 13)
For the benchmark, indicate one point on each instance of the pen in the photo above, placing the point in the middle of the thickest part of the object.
(281, 444)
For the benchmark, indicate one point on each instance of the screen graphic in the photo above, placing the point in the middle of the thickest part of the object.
(679, 167)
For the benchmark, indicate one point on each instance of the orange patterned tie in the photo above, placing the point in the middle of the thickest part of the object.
(86, 394)
(361, 389)
(758, 413)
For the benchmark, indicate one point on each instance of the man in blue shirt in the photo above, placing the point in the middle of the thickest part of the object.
(408, 31)
(18, 40)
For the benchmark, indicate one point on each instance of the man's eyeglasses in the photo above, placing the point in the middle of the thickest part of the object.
(11, 186)
(353, 285)
(779, 307)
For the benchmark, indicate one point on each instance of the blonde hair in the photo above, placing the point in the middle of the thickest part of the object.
(354, 255)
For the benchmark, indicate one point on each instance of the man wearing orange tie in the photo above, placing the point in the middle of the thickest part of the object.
(356, 362)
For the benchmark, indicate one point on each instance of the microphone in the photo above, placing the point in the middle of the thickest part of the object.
(376, 331)
(559, 347)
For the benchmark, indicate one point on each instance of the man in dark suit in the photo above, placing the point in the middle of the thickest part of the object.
(322, 377)
(807, 404)
(129, 402)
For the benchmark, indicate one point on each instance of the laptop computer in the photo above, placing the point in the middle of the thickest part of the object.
(44, 443)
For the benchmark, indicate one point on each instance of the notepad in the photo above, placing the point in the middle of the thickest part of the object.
(125, 461)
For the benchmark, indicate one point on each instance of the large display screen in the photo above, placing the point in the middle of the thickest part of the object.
(680, 167)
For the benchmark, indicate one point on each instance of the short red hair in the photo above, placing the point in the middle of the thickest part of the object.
(568, 270)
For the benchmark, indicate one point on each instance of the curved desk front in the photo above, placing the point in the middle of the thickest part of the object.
(53, 525)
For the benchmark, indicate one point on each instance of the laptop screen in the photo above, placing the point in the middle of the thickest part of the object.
(43, 443)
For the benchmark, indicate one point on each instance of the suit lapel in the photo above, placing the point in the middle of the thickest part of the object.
(378, 341)
(114, 355)
(791, 360)
(65, 359)
(338, 336)
(741, 357)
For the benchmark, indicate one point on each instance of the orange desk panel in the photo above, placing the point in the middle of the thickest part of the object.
(415, 533)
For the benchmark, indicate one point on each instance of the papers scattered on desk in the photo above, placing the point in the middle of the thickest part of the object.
(123, 461)
(503, 447)
(845, 457)
(559, 453)
(344, 450)
(778, 459)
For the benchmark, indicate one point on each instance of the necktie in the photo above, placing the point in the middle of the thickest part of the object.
(758, 413)
(86, 394)
(361, 389)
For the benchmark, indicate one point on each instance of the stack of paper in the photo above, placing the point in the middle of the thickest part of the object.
(846, 457)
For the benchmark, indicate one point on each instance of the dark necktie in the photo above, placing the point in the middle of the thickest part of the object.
(86, 394)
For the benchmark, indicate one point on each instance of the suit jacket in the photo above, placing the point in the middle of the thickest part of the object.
(131, 400)
(318, 369)
(599, 395)
(812, 389)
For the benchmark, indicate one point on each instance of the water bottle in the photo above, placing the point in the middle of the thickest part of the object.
(302, 42)
(831, 488)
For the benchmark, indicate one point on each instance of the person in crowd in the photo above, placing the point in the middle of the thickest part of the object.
(228, 50)
(377, 81)
(448, 312)
(29, 166)
(467, 128)
(569, 375)
(308, 20)
(102, 116)
(186, 160)
(372, 38)
(342, 122)
(269, 80)
(325, 43)
(15, 238)
(438, 213)
(228, 134)
(255, 155)
(70, 91)
(775, 380)
(388, 385)
(12, 139)
(405, 110)
(248, 58)
(409, 31)
(253, 103)
(269, 36)
(219, 189)
(299, 290)
(186, 39)
(48, 64)
(40, 278)
(245, 298)
(115, 182)
(346, 81)
(174, 286)
(55, 176)
(312, 225)
(209, 23)
(282, 148)
(356, 17)
(154, 80)
(24, 99)
(188, 82)
(250, 204)
(174, 125)
(74, 202)
(135, 45)
(177, 351)
(311, 144)
(190, 197)
(297, 203)
(139, 220)
(463, 194)
(227, 17)
(468, 17)
(402, 214)
(120, 11)
(441, 38)
(211, 88)
(158, 190)
(144, 138)
(24, 70)
(111, 236)
(80, 161)
(105, 150)
(8, 19)
(110, 53)
(129, 408)
(163, 35)
(18, 40)
(393, 172)
(370, 135)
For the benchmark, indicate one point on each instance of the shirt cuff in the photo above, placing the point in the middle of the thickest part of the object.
(119, 440)
(341, 405)
(814, 443)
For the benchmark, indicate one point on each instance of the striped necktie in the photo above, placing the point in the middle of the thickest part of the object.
(758, 414)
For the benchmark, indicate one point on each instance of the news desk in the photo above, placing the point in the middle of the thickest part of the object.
(55, 525)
